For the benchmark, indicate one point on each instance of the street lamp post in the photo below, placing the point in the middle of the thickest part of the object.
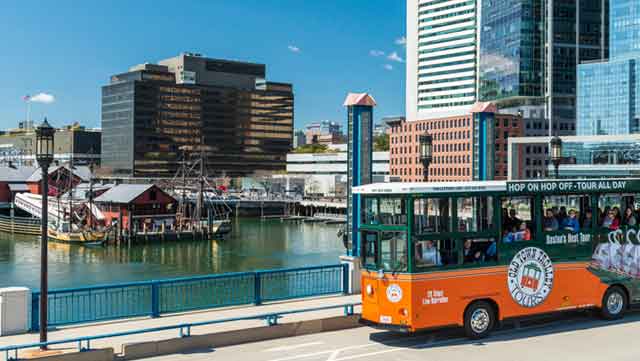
(556, 154)
(44, 155)
(426, 153)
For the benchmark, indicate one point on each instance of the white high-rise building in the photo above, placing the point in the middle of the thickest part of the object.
(441, 58)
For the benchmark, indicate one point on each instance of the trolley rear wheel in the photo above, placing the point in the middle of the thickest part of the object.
(479, 320)
(614, 303)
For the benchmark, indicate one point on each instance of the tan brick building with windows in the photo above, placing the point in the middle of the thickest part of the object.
(467, 147)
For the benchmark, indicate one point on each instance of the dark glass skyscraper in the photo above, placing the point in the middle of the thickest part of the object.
(528, 62)
(511, 49)
(514, 62)
(154, 114)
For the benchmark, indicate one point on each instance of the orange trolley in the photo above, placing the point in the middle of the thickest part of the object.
(475, 253)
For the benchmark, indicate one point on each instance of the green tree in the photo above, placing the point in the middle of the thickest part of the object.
(311, 148)
(381, 143)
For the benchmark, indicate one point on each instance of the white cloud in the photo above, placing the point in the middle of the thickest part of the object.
(395, 57)
(401, 41)
(42, 98)
(293, 49)
(388, 67)
(376, 53)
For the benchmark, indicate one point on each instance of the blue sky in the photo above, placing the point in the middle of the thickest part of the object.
(324, 47)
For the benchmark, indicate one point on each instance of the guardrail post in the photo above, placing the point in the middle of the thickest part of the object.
(257, 284)
(35, 314)
(345, 278)
(155, 300)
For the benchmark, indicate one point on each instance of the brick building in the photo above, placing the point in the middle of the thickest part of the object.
(135, 204)
(468, 147)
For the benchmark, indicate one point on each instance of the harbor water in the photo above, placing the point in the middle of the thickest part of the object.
(253, 244)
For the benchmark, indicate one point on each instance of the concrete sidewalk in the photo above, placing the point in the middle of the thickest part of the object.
(141, 323)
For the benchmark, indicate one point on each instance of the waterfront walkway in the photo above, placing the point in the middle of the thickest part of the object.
(192, 317)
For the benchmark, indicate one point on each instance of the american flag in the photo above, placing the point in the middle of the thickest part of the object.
(26, 98)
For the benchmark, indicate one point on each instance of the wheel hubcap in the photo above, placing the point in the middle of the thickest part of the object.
(480, 320)
(615, 302)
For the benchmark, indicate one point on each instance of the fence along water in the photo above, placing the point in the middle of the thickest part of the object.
(153, 298)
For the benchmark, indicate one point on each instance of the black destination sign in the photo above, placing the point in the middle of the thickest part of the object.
(569, 186)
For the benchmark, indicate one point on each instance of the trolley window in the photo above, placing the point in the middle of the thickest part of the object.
(385, 211)
(617, 210)
(370, 248)
(517, 219)
(434, 253)
(479, 250)
(570, 213)
(431, 215)
(393, 251)
(475, 214)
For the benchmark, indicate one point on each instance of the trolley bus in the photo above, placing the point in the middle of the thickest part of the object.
(475, 253)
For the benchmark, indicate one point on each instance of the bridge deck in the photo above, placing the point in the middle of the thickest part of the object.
(142, 323)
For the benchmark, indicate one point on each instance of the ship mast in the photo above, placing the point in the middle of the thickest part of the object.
(90, 215)
(200, 205)
(70, 190)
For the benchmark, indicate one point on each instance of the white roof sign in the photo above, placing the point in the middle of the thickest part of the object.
(431, 187)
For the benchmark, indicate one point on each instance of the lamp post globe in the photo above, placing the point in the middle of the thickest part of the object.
(426, 153)
(555, 145)
(44, 143)
(44, 155)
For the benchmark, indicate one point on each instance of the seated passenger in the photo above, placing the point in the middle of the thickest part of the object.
(491, 254)
(549, 223)
(562, 214)
(509, 235)
(587, 222)
(471, 254)
(524, 234)
(512, 220)
(429, 254)
(611, 222)
(629, 219)
(571, 222)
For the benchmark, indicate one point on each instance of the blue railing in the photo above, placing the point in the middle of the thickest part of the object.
(84, 343)
(153, 298)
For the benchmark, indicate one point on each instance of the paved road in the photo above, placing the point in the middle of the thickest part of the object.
(577, 338)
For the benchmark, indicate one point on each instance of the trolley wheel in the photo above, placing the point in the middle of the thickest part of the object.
(479, 320)
(614, 303)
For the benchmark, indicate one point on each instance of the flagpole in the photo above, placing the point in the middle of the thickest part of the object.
(27, 99)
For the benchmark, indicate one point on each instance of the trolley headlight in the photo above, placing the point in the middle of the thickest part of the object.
(404, 312)
(369, 290)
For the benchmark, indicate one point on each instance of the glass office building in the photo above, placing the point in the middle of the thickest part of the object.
(608, 102)
(514, 67)
(625, 28)
(511, 51)
(156, 115)
(584, 156)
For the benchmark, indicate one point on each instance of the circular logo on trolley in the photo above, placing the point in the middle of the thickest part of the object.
(394, 293)
(530, 277)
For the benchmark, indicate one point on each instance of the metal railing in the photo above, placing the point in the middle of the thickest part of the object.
(84, 343)
(153, 298)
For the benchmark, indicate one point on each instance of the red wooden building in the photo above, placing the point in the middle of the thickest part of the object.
(13, 180)
(134, 205)
(61, 179)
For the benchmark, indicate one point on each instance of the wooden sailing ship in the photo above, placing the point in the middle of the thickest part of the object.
(199, 206)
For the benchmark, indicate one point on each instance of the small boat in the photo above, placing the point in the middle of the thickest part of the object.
(65, 233)
(220, 227)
